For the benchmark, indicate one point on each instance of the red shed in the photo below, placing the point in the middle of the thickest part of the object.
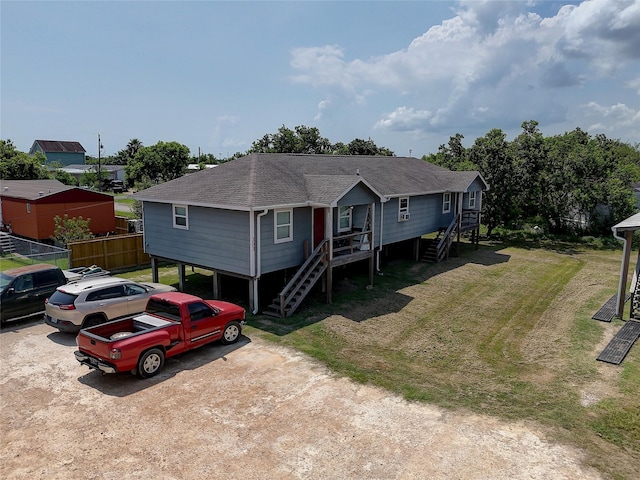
(29, 207)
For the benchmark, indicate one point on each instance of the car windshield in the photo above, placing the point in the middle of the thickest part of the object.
(5, 280)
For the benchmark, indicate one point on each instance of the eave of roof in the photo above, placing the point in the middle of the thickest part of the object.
(629, 224)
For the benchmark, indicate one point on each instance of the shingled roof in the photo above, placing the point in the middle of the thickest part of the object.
(33, 190)
(276, 180)
(48, 146)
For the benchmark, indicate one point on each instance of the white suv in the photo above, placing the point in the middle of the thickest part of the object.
(90, 302)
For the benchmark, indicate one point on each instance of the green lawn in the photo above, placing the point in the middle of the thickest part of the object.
(505, 330)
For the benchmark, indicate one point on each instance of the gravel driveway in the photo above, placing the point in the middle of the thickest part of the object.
(247, 411)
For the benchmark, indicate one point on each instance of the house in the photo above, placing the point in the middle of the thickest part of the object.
(307, 214)
(110, 172)
(65, 153)
(29, 206)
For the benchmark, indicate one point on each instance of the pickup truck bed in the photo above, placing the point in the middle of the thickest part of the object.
(127, 327)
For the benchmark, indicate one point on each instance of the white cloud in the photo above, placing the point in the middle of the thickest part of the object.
(492, 60)
(405, 119)
(322, 106)
(612, 118)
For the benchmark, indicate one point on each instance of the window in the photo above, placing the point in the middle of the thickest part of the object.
(28, 208)
(24, 283)
(106, 293)
(133, 289)
(180, 217)
(472, 199)
(199, 311)
(344, 219)
(47, 278)
(403, 209)
(283, 228)
(446, 202)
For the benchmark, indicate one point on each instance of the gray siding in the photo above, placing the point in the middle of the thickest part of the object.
(217, 239)
(426, 217)
(278, 256)
(359, 195)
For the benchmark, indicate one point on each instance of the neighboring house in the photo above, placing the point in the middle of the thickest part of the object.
(29, 207)
(304, 214)
(65, 153)
(111, 172)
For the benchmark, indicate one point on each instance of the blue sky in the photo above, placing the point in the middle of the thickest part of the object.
(216, 75)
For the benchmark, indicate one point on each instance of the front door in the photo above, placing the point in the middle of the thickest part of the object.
(318, 226)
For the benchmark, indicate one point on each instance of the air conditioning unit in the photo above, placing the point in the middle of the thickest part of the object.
(404, 217)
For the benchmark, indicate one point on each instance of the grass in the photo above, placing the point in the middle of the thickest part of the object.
(504, 331)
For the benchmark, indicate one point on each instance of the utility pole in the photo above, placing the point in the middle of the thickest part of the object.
(99, 176)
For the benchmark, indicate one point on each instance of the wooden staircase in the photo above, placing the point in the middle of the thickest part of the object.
(438, 248)
(292, 295)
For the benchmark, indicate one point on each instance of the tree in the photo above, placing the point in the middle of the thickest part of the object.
(452, 156)
(308, 140)
(358, 146)
(159, 163)
(16, 165)
(301, 140)
(90, 178)
(494, 159)
(530, 156)
(65, 177)
(68, 230)
(128, 153)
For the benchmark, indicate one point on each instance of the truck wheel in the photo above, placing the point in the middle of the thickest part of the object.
(231, 333)
(150, 363)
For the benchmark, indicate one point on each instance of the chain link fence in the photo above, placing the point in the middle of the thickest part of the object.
(29, 252)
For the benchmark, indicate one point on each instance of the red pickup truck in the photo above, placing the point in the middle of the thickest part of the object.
(172, 323)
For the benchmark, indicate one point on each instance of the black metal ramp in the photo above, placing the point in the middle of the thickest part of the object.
(608, 310)
(620, 345)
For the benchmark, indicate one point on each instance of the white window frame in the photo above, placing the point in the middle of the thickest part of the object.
(345, 213)
(177, 216)
(403, 212)
(28, 208)
(446, 202)
(277, 226)
(472, 200)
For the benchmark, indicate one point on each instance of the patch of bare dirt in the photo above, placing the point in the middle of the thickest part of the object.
(250, 411)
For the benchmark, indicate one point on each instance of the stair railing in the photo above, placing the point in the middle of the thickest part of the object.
(294, 285)
(447, 239)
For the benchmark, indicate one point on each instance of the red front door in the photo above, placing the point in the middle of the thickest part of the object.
(318, 226)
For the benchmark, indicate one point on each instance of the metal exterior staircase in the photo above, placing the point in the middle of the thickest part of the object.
(635, 301)
(6, 244)
(438, 248)
(301, 284)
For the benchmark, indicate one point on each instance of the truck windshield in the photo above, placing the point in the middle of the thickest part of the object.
(163, 309)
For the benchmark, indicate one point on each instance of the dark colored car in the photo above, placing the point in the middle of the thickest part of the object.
(25, 289)
(117, 186)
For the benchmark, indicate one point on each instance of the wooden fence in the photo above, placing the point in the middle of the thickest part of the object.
(111, 253)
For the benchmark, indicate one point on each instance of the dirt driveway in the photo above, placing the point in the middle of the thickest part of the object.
(248, 411)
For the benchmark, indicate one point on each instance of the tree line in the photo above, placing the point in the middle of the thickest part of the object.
(563, 183)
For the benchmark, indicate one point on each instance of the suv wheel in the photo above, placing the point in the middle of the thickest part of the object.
(93, 320)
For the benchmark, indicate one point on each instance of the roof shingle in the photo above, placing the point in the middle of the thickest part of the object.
(271, 180)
